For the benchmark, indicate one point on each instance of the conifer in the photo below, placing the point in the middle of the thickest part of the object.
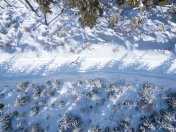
(89, 10)
(44, 4)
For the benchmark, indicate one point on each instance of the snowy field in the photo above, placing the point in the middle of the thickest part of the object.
(28, 46)
(62, 77)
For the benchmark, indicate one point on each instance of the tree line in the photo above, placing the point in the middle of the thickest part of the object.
(90, 10)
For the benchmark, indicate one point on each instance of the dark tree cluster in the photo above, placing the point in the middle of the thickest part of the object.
(90, 10)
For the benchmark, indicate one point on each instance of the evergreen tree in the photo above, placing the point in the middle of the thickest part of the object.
(89, 10)
(44, 4)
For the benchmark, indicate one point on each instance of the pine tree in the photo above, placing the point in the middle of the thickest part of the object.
(89, 10)
(45, 7)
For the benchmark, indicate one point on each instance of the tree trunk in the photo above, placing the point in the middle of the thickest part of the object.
(45, 20)
(31, 8)
(7, 3)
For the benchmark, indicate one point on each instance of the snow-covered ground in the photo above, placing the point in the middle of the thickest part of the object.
(93, 99)
(62, 68)
(150, 47)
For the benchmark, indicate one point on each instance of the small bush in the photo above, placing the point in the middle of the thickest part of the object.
(96, 83)
(77, 125)
(147, 123)
(34, 110)
(114, 20)
(149, 3)
(65, 123)
(168, 116)
(61, 104)
(56, 84)
(71, 123)
(95, 129)
(48, 83)
(23, 100)
(6, 123)
(162, 27)
(124, 125)
(111, 94)
(26, 29)
(120, 2)
(21, 125)
(93, 95)
(80, 83)
(132, 3)
(6, 24)
(37, 92)
(173, 10)
(136, 22)
(114, 87)
(171, 100)
(147, 93)
(58, 28)
(162, 2)
(36, 127)
(23, 86)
